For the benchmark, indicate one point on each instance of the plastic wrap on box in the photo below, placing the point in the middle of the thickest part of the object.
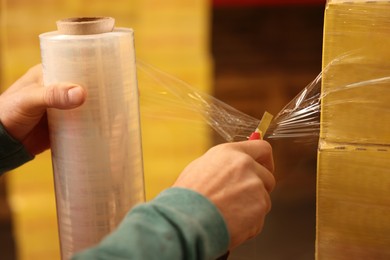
(353, 206)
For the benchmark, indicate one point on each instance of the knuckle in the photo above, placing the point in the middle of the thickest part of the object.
(49, 96)
(257, 227)
(53, 97)
(35, 73)
(269, 181)
(273, 182)
(243, 162)
(266, 146)
(216, 148)
(266, 203)
(222, 147)
(268, 157)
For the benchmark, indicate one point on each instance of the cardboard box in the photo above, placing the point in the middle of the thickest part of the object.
(353, 206)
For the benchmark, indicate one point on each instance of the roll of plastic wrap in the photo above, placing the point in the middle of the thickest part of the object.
(96, 148)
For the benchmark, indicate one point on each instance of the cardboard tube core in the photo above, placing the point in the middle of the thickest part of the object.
(85, 25)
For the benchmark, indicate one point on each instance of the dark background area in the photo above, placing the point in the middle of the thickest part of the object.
(264, 56)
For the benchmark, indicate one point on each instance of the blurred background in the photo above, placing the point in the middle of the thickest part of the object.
(254, 55)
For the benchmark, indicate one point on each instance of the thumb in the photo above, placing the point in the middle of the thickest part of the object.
(21, 108)
(62, 96)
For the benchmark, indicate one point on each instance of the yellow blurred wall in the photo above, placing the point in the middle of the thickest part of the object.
(170, 34)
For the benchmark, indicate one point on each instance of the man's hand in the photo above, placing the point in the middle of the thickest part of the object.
(237, 178)
(23, 108)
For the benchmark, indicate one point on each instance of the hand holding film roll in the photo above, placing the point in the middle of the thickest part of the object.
(96, 149)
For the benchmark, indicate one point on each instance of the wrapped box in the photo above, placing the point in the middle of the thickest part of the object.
(353, 205)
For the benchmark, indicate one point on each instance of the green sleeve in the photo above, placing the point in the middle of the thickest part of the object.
(178, 224)
(12, 152)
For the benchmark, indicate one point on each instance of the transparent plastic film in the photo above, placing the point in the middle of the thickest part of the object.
(348, 72)
(181, 101)
(298, 120)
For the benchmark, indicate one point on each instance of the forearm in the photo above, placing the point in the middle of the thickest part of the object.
(12, 152)
(178, 224)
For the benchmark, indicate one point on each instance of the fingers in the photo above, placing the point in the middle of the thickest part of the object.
(259, 150)
(34, 74)
(267, 178)
(256, 154)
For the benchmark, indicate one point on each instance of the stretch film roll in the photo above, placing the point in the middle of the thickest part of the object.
(96, 148)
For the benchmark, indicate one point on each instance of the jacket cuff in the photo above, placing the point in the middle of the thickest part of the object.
(12, 152)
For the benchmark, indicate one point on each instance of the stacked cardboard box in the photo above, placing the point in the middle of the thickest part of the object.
(354, 153)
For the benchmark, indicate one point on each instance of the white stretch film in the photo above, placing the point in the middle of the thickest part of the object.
(96, 149)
